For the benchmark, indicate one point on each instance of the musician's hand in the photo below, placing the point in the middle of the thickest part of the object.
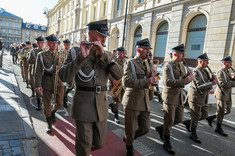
(214, 82)
(153, 80)
(85, 49)
(39, 90)
(99, 47)
(189, 79)
(155, 72)
(115, 83)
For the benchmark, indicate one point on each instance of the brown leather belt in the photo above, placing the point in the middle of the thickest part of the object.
(97, 89)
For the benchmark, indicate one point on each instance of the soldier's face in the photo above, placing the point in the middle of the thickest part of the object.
(122, 55)
(52, 45)
(203, 63)
(40, 44)
(67, 46)
(143, 52)
(227, 64)
(95, 36)
(178, 56)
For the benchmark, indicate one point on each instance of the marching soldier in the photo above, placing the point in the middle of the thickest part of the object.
(174, 80)
(136, 80)
(46, 78)
(19, 54)
(223, 94)
(117, 88)
(24, 57)
(91, 69)
(198, 100)
(67, 88)
(32, 61)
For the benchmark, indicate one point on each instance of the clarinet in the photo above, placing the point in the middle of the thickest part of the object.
(194, 82)
(213, 76)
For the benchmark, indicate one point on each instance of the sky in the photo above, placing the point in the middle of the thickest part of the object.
(29, 10)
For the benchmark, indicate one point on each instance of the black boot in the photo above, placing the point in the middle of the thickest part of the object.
(111, 107)
(49, 125)
(159, 129)
(130, 150)
(39, 107)
(167, 145)
(210, 119)
(194, 137)
(65, 102)
(219, 130)
(33, 92)
(27, 83)
(116, 118)
(187, 124)
(53, 118)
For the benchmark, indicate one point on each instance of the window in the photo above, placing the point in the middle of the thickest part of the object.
(140, 1)
(17, 20)
(27, 25)
(35, 34)
(27, 38)
(9, 38)
(104, 13)
(94, 13)
(16, 25)
(16, 32)
(119, 5)
(35, 27)
(10, 24)
(3, 23)
(16, 39)
(3, 31)
(86, 15)
(10, 19)
(10, 31)
(27, 33)
(43, 28)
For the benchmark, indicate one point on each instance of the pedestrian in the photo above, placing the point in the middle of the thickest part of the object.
(198, 102)
(223, 94)
(174, 79)
(32, 61)
(47, 81)
(117, 90)
(137, 80)
(13, 52)
(91, 69)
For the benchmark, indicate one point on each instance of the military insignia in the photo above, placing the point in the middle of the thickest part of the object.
(125, 66)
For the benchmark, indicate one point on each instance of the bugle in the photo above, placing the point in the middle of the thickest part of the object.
(214, 77)
(190, 72)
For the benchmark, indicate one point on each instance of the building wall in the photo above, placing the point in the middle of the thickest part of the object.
(220, 15)
(8, 33)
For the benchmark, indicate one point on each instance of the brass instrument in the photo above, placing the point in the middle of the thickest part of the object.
(190, 72)
(115, 91)
(213, 78)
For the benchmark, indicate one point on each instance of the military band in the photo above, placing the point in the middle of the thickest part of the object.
(55, 71)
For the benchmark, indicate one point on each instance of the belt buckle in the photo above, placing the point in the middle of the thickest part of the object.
(98, 89)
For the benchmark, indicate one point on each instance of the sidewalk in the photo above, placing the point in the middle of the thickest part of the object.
(17, 136)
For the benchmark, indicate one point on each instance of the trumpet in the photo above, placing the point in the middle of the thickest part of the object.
(214, 77)
(190, 72)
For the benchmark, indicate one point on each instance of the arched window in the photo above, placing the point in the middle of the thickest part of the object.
(137, 37)
(161, 40)
(196, 37)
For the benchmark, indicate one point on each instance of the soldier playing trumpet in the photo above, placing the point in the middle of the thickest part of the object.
(117, 87)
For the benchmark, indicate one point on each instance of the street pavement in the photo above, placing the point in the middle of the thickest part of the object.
(22, 128)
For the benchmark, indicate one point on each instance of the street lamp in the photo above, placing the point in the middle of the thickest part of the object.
(45, 9)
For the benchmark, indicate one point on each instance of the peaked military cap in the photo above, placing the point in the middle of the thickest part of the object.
(100, 26)
(40, 39)
(121, 49)
(35, 45)
(51, 38)
(226, 59)
(23, 45)
(203, 57)
(67, 41)
(114, 50)
(28, 42)
(179, 48)
(143, 43)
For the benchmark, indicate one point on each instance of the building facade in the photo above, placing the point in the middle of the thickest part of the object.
(204, 26)
(10, 28)
(32, 31)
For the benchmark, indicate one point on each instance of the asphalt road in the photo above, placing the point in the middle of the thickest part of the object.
(148, 145)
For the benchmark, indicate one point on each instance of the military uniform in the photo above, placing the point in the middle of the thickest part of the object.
(25, 64)
(45, 75)
(90, 102)
(224, 102)
(136, 98)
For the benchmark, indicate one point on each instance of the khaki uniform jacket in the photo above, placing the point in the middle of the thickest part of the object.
(32, 58)
(174, 82)
(89, 106)
(136, 96)
(226, 83)
(41, 79)
(202, 79)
